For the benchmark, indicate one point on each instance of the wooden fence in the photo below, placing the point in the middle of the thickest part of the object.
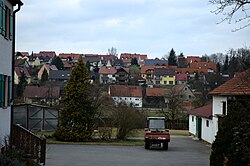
(30, 144)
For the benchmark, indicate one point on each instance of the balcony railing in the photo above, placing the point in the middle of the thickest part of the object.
(28, 143)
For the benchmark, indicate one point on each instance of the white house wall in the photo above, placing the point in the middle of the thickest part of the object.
(4, 125)
(111, 79)
(5, 68)
(217, 104)
(217, 109)
(136, 101)
(207, 132)
(192, 124)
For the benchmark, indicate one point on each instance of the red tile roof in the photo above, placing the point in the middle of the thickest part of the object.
(20, 70)
(125, 91)
(66, 64)
(193, 59)
(205, 111)
(126, 69)
(145, 68)
(239, 85)
(131, 56)
(73, 56)
(203, 65)
(50, 54)
(107, 70)
(19, 62)
(154, 92)
(108, 57)
(51, 67)
(181, 77)
(25, 53)
(126, 60)
(191, 70)
(41, 92)
(104, 57)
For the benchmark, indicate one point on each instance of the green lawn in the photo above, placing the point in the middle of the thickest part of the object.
(97, 141)
(127, 142)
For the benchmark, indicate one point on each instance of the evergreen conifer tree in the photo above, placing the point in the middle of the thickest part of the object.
(226, 64)
(45, 77)
(232, 143)
(58, 63)
(172, 59)
(134, 61)
(21, 85)
(78, 114)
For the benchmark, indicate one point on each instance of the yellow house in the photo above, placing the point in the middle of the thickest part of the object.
(168, 80)
(164, 76)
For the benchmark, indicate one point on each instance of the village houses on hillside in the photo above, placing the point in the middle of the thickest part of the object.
(113, 70)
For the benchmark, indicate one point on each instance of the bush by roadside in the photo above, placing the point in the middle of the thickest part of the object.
(12, 157)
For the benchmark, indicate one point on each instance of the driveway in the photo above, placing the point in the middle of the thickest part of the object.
(182, 151)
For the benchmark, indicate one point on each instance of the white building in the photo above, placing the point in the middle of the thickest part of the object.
(6, 55)
(107, 75)
(127, 94)
(201, 124)
(204, 121)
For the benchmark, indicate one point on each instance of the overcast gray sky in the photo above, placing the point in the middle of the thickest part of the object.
(151, 27)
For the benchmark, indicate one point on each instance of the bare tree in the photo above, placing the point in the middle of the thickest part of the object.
(112, 51)
(230, 8)
(173, 109)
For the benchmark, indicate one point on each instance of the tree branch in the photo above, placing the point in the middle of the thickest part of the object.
(229, 8)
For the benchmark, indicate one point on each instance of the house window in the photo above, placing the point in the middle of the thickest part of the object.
(207, 123)
(165, 82)
(136, 99)
(189, 96)
(6, 21)
(171, 82)
(136, 105)
(192, 118)
(224, 108)
(5, 91)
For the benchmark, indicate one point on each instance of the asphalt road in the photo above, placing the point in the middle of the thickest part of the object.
(182, 151)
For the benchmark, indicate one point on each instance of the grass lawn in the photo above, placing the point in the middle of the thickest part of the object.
(128, 142)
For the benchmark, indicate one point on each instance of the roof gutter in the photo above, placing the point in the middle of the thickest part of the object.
(19, 3)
